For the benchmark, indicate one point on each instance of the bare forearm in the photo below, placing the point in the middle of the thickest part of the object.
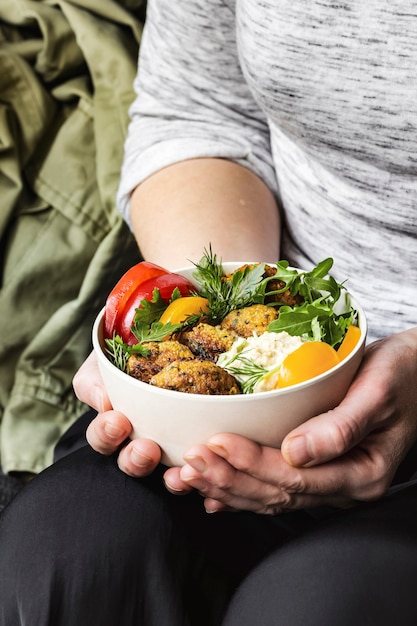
(180, 210)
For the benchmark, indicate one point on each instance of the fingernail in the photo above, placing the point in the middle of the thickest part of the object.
(214, 507)
(197, 462)
(299, 451)
(218, 449)
(139, 459)
(173, 489)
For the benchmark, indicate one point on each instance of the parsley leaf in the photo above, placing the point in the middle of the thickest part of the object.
(151, 310)
(155, 332)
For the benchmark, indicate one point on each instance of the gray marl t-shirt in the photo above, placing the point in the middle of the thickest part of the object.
(320, 100)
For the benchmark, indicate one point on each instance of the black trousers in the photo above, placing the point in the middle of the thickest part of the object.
(83, 544)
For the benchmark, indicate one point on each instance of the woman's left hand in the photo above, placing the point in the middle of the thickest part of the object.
(347, 455)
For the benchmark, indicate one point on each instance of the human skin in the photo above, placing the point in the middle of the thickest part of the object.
(179, 210)
(337, 458)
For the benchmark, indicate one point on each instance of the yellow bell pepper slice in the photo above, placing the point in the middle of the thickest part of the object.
(349, 342)
(180, 309)
(309, 360)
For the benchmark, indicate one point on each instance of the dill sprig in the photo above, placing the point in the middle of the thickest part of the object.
(247, 372)
(242, 288)
(118, 352)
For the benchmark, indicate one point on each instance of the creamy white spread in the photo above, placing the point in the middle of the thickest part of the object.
(267, 351)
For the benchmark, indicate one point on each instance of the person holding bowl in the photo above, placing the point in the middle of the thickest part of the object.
(270, 132)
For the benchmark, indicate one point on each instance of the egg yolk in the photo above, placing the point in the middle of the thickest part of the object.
(309, 360)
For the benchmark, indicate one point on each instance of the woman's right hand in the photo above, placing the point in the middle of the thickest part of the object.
(110, 430)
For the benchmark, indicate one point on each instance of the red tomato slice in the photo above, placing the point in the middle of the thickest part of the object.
(166, 283)
(123, 290)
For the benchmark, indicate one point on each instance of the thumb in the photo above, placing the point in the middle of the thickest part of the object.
(326, 436)
(89, 387)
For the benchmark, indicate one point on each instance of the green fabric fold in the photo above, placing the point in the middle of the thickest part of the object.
(66, 76)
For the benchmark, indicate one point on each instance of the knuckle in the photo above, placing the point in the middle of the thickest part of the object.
(209, 492)
(378, 478)
(373, 491)
(223, 481)
(275, 505)
(272, 510)
(295, 484)
(345, 433)
(252, 457)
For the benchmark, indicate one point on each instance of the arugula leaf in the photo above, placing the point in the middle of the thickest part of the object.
(315, 318)
(297, 321)
(307, 284)
(316, 321)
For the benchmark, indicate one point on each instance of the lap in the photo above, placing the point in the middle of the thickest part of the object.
(359, 566)
(103, 546)
(86, 543)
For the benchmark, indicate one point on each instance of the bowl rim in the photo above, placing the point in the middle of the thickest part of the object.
(98, 345)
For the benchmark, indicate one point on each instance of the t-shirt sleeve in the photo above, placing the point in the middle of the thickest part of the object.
(192, 99)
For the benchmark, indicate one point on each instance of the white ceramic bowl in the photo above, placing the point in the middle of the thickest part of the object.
(176, 420)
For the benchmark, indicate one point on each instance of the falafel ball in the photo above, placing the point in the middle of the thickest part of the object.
(196, 376)
(160, 353)
(207, 341)
(250, 320)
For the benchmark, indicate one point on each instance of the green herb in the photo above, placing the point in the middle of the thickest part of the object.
(310, 285)
(118, 351)
(146, 326)
(320, 316)
(315, 318)
(242, 288)
(151, 310)
(248, 373)
(154, 332)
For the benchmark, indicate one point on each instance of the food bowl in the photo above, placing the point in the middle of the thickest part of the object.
(176, 420)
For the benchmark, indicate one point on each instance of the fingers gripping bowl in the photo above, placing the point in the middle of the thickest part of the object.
(177, 420)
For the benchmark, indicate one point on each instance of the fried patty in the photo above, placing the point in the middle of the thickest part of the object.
(160, 354)
(196, 376)
(208, 342)
(251, 320)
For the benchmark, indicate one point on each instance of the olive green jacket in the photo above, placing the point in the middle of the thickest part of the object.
(66, 74)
